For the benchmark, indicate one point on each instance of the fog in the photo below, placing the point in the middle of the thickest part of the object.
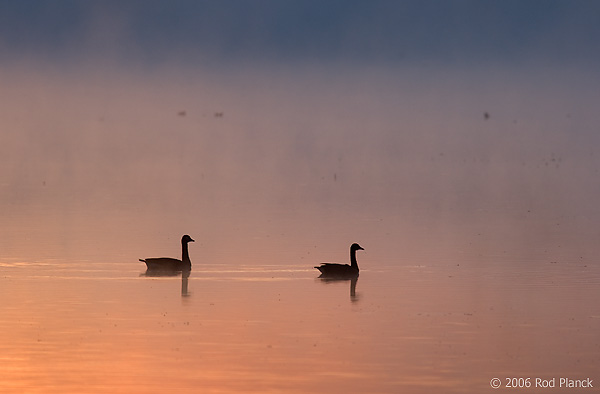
(258, 151)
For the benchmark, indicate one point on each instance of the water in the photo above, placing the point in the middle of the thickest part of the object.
(480, 234)
(252, 325)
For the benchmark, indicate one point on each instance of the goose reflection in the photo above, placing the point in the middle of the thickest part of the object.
(353, 281)
(185, 275)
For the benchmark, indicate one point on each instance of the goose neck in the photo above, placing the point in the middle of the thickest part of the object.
(353, 262)
(185, 256)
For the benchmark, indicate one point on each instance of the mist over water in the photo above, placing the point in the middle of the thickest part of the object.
(249, 154)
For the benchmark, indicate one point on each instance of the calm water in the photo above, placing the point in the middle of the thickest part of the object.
(244, 324)
(480, 234)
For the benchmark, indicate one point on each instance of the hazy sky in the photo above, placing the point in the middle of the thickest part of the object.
(156, 31)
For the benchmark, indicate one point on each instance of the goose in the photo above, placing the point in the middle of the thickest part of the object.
(170, 264)
(330, 270)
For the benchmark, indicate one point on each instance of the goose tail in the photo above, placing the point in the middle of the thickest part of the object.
(142, 260)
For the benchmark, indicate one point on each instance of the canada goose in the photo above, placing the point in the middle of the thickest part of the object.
(329, 270)
(170, 264)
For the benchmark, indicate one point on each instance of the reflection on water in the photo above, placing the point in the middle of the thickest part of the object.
(185, 275)
(352, 280)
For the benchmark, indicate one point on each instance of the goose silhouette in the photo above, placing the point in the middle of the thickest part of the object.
(169, 264)
(331, 270)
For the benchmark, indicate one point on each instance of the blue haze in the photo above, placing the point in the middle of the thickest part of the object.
(290, 31)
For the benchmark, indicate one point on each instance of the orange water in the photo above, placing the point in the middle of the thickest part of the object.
(249, 323)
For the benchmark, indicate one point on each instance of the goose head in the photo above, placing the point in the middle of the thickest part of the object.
(186, 238)
(356, 247)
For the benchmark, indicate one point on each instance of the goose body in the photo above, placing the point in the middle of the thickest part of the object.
(164, 264)
(331, 270)
(171, 264)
